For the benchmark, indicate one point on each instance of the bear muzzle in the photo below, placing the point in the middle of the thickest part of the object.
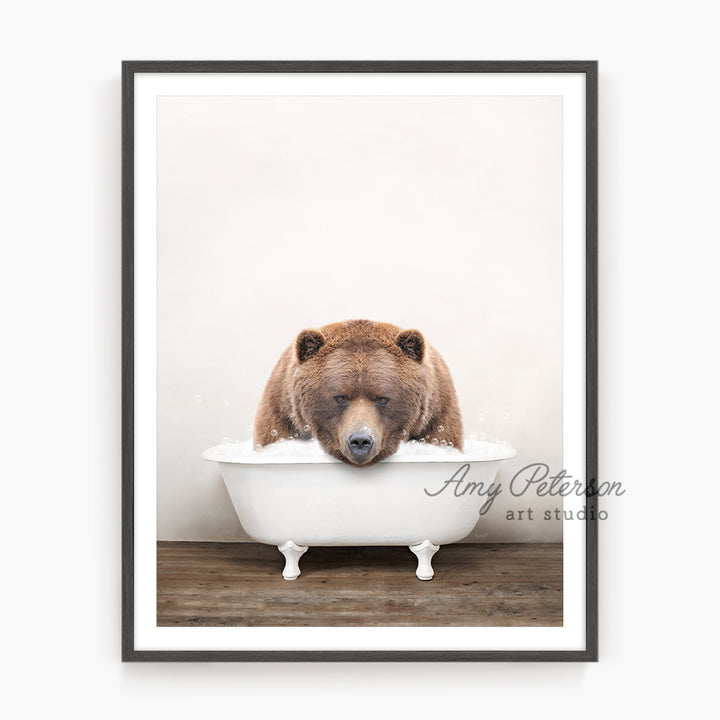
(360, 444)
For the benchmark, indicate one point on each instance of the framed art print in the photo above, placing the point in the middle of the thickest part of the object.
(360, 361)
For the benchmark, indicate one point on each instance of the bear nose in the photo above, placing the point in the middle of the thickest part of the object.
(360, 444)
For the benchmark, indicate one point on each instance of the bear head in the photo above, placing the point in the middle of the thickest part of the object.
(360, 387)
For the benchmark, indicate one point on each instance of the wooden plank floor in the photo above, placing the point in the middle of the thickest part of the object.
(241, 584)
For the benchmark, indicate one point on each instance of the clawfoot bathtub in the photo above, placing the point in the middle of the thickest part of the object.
(422, 500)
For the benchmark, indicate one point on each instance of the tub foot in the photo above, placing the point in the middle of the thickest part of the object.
(292, 553)
(424, 551)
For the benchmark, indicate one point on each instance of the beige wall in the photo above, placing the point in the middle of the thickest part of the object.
(276, 214)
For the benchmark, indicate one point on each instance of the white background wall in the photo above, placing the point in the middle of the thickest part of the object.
(60, 284)
(276, 214)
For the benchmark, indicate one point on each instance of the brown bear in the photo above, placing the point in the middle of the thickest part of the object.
(360, 388)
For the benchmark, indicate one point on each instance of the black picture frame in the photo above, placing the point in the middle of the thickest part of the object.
(129, 70)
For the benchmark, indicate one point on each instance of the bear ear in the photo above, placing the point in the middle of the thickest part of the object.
(308, 343)
(412, 343)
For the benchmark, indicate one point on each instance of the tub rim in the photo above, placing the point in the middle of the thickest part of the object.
(503, 452)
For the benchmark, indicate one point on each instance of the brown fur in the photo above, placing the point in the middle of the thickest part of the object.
(331, 383)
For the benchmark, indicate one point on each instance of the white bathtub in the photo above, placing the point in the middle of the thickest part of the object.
(296, 502)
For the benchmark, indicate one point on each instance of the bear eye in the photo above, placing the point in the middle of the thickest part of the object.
(341, 399)
(382, 401)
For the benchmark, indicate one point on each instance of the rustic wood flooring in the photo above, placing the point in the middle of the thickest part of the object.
(241, 584)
